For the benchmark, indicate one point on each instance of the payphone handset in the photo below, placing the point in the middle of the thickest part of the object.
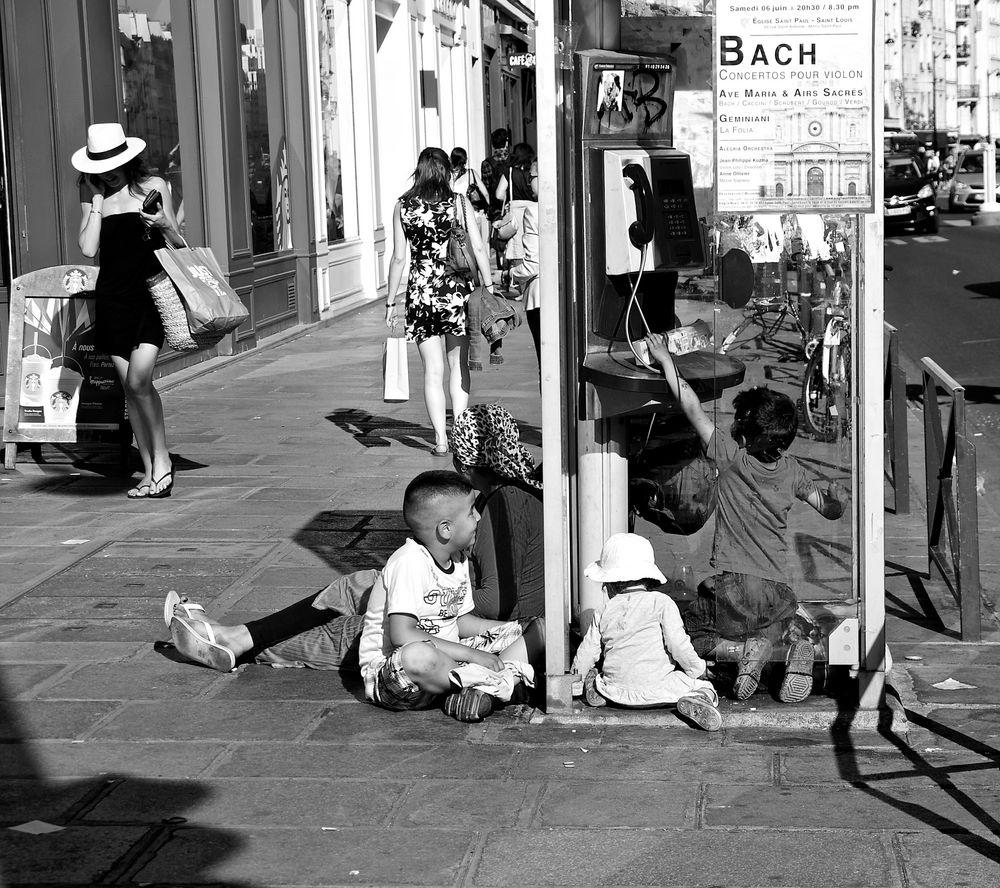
(649, 200)
(640, 232)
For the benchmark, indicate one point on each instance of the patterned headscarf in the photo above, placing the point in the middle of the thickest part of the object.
(487, 436)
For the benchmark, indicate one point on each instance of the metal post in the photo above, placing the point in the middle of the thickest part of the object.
(556, 418)
(989, 212)
(869, 468)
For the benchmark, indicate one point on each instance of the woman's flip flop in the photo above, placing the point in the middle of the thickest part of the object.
(191, 609)
(798, 681)
(199, 648)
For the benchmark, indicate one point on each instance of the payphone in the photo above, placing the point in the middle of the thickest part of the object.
(639, 227)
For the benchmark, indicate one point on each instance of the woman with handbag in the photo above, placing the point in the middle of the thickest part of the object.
(519, 188)
(464, 182)
(436, 298)
(127, 214)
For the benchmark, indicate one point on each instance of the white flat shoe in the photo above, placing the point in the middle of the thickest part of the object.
(201, 647)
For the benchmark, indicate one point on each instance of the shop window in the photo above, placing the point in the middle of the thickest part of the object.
(263, 119)
(334, 81)
(149, 91)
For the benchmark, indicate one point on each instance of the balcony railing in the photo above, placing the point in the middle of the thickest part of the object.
(963, 12)
(968, 92)
(963, 51)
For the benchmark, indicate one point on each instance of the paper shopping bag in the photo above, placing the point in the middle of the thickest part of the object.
(212, 306)
(395, 372)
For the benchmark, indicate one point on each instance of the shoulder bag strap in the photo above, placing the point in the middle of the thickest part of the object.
(470, 256)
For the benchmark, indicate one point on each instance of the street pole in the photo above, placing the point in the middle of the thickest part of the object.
(989, 212)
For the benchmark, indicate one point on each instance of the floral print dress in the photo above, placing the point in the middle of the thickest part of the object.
(435, 298)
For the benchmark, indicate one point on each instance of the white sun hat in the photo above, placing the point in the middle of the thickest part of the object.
(626, 557)
(106, 148)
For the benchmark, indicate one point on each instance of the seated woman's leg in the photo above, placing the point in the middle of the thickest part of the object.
(333, 645)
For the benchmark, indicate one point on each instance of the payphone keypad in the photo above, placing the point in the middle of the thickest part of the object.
(676, 216)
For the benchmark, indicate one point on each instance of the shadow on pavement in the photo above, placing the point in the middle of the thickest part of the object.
(988, 289)
(82, 844)
(876, 785)
(380, 431)
(925, 614)
(350, 540)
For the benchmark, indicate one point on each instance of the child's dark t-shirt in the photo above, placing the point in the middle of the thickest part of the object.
(754, 499)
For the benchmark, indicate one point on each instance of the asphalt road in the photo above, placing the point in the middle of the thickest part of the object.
(943, 295)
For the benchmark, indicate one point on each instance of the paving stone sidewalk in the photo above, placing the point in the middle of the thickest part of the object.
(290, 470)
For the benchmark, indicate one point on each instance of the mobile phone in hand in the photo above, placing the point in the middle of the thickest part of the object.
(151, 205)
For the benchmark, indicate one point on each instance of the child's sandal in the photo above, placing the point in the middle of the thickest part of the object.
(590, 693)
(798, 681)
(756, 653)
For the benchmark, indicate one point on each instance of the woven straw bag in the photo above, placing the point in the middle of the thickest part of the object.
(175, 322)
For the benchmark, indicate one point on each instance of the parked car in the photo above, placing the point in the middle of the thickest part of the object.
(909, 194)
(966, 189)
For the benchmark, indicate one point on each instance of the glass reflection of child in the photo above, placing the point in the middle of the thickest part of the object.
(648, 659)
(757, 486)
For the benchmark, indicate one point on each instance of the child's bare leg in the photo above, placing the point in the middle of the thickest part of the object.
(427, 667)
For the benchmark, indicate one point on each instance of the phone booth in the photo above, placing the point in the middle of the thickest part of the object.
(750, 243)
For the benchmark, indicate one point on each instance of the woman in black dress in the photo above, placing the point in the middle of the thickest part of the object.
(114, 182)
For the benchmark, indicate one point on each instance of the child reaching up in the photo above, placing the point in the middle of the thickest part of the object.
(648, 657)
(758, 483)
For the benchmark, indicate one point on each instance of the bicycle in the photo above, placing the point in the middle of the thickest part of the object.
(826, 384)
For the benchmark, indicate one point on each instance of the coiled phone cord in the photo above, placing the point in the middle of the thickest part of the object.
(634, 300)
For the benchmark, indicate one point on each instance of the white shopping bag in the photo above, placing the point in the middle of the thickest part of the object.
(395, 372)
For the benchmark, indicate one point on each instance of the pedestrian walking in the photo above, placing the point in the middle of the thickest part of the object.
(465, 182)
(436, 299)
(123, 218)
(519, 186)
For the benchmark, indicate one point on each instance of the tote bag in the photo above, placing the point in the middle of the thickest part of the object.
(211, 305)
(395, 370)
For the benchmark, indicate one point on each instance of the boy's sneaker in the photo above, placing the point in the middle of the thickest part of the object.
(798, 681)
(756, 653)
(699, 708)
(468, 705)
(590, 692)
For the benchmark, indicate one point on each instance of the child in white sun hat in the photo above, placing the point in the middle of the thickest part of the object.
(648, 658)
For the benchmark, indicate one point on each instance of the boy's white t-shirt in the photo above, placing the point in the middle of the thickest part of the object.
(414, 584)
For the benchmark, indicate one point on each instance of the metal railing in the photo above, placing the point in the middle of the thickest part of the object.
(968, 91)
(897, 457)
(952, 508)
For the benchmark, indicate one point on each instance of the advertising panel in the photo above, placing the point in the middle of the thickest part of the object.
(58, 383)
(794, 100)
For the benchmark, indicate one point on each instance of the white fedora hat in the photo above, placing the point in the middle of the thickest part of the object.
(106, 148)
(626, 557)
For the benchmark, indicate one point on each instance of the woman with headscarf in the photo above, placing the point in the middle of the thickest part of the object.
(322, 630)
(507, 556)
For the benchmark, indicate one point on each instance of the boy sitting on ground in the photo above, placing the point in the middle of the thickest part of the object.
(421, 643)
(758, 483)
(648, 659)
